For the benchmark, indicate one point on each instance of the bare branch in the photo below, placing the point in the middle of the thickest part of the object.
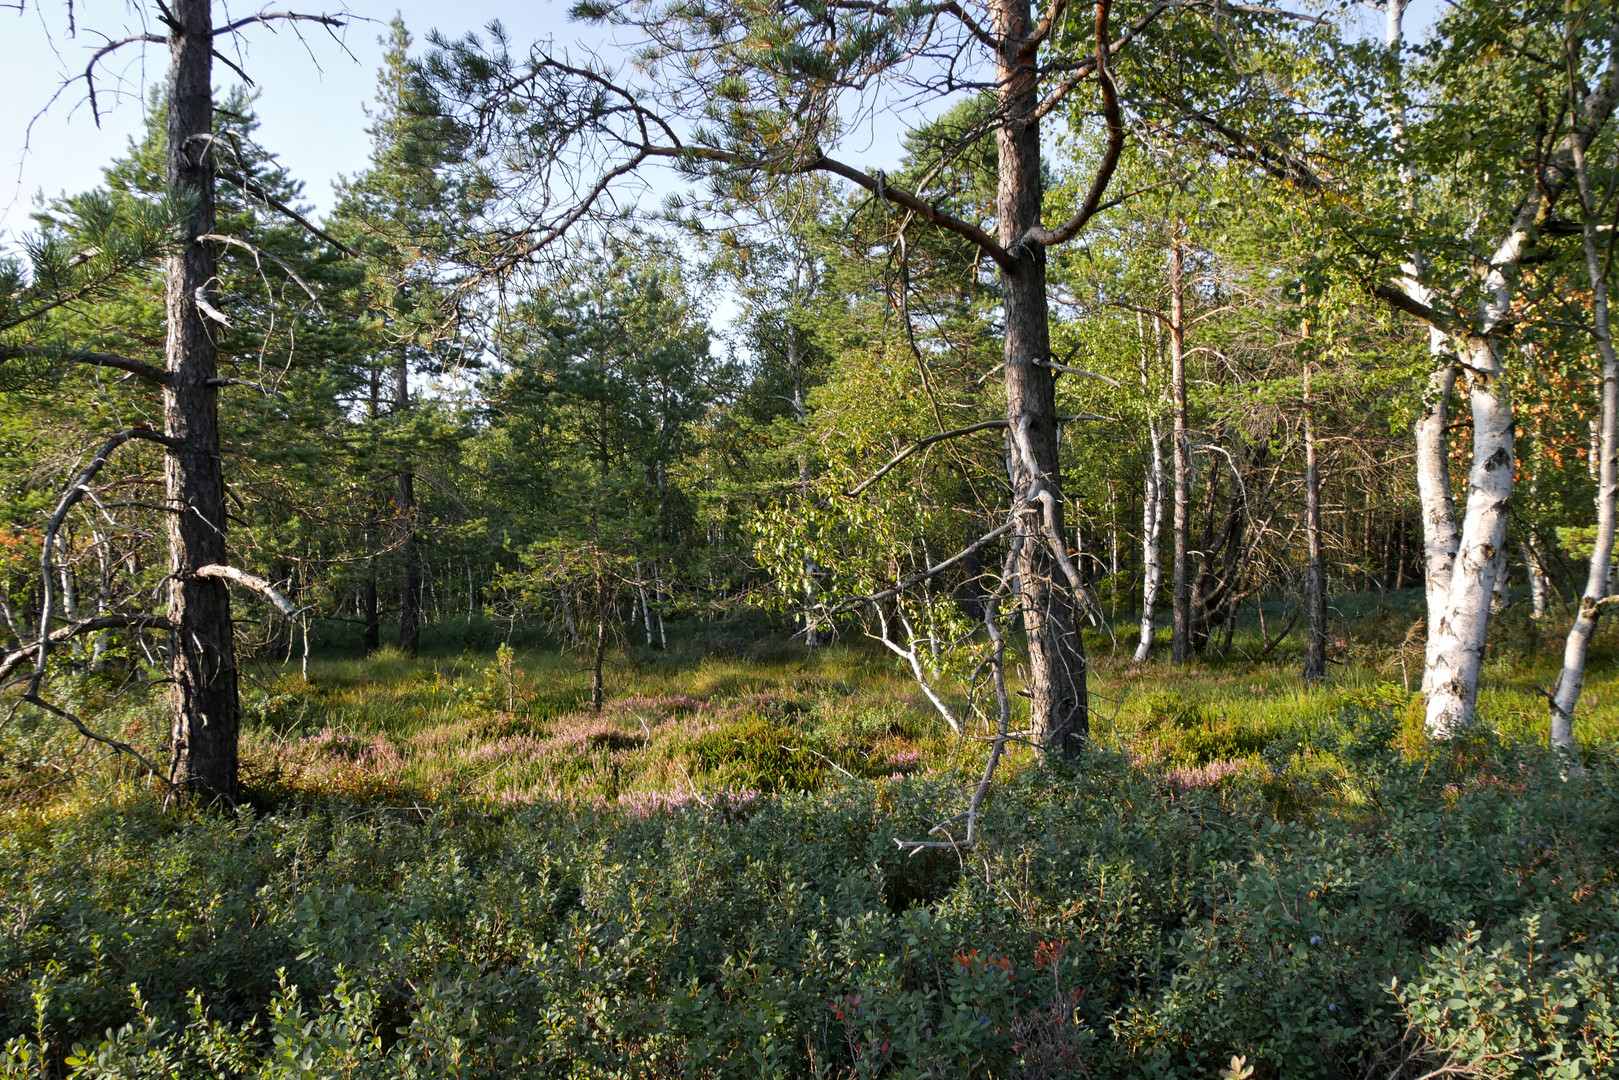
(121, 747)
(331, 22)
(1065, 368)
(259, 253)
(258, 192)
(110, 47)
(1114, 117)
(916, 579)
(11, 661)
(1400, 299)
(250, 581)
(920, 207)
(921, 445)
(149, 372)
(75, 492)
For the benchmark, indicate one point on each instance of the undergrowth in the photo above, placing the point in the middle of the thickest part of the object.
(452, 867)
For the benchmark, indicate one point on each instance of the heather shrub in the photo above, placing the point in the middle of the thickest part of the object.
(1111, 924)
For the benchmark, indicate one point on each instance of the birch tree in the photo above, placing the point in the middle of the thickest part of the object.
(1596, 243)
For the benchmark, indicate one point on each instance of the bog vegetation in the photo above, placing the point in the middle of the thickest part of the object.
(634, 591)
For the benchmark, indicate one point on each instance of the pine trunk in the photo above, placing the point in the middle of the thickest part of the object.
(1059, 702)
(203, 737)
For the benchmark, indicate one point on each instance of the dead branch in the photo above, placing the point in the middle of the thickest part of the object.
(248, 581)
(921, 444)
(149, 372)
(259, 253)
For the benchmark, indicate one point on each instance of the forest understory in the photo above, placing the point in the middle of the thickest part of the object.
(451, 865)
(832, 539)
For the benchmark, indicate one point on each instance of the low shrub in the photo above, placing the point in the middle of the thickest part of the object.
(1111, 924)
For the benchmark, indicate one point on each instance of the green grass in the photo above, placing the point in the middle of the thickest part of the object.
(728, 709)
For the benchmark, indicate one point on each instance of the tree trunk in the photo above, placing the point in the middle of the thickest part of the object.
(795, 364)
(203, 736)
(410, 585)
(1539, 587)
(1439, 535)
(1059, 702)
(1457, 651)
(1180, 650)
(596, 688)
(1501, 595)
(1566, 694)
(1315, 647)
(1152, 520)
(371, 635)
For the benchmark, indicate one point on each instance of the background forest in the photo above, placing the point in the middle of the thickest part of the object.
(632, 592)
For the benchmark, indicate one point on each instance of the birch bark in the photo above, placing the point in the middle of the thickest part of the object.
(1565, 694)
(1315, 649)
(1152, 519)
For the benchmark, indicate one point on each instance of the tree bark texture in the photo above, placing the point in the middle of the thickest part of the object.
(1439, 535)
(1566, 693)
(1152, 522)
(203, 735)
(1456, 651)
(410, 584)
(1315, 642)
(1059, 702)
(1539, 586)
(1180, 649)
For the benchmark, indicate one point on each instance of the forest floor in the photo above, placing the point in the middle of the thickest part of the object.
(728, 710)
(451, 866)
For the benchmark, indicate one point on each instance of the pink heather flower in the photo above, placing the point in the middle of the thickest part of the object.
(1211, 775)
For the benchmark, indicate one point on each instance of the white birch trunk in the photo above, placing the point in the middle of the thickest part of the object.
(1566, 694)
(1152, 521)
(1501, 598)
(1539, 587)
(1456, 650)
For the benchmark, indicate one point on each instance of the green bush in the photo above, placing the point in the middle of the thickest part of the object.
(1110, 925)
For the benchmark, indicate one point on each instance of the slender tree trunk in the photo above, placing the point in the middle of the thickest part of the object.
(646, 608)
(103, 641)
(1501, 595)
(1181, 639)
(410, 585)
(203, 736)
(659, 596)
(1152, 520)
(795, 363)
(568, 621)
(1059, 701)
(596, 688)
(1439, 535)
(371, 634)
(1315, 647)
(1566, 694)
(1539, 587)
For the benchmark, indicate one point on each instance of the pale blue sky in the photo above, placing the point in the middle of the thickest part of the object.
(312, 99)
(313, 93)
